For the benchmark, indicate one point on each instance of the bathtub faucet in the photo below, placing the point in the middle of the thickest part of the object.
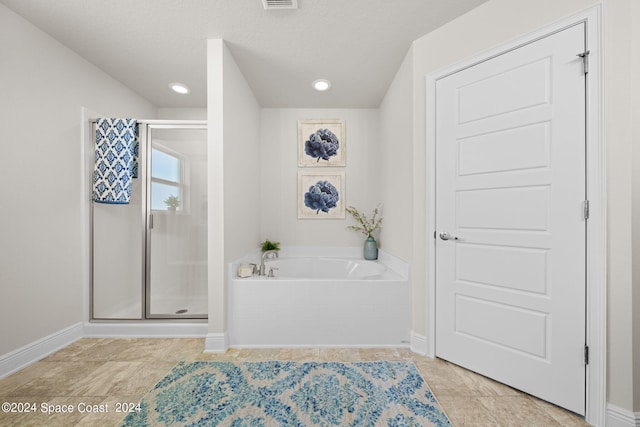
(266, 255)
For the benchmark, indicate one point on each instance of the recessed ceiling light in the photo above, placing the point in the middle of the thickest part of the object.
(321, 85)
(180, 88)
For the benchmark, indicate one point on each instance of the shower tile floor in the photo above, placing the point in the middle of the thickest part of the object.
(179, 305)
(104, 371)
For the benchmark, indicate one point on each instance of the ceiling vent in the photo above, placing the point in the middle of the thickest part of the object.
(279, 4)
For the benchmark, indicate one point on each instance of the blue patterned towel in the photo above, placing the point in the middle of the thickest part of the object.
(116, 160)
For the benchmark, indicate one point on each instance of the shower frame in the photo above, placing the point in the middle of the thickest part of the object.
(146, 217)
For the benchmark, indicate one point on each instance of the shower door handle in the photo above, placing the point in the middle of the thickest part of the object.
(150, 221)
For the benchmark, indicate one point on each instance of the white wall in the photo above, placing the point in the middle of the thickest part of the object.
(396, 176)
(234, 174)
(634, 93)
(242, 140)
(396, 164)
(277, 192)
(620, 255)
(182, 113)
(42, 249)
(215, 154)
(623, 133)
(493, 24)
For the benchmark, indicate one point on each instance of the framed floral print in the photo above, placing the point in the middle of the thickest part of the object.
(321, 143)
(321, 194)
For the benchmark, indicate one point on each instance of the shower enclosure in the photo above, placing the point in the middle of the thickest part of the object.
(149, 257)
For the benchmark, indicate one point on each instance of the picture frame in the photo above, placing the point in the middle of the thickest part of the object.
(321, 143)
(315, 191)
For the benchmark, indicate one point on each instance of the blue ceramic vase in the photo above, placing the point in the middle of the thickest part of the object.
(370, 248)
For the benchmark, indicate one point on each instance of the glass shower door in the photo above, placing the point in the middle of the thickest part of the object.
(117, 261)
(176, 279)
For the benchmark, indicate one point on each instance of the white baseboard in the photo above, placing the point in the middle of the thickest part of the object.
(618, 417)
(216, 343)
(419, 344)
(37, 350)
(145, 330)
(293, 346)
(31, 353)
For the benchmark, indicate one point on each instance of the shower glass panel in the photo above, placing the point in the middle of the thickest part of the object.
(149, 257)
(118, 251)
(176, 267)
(118, 257)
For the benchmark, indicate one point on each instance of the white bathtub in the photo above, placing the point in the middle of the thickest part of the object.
(320, 300)
(325, 268)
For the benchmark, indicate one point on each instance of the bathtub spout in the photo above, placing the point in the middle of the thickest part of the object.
(266, 255)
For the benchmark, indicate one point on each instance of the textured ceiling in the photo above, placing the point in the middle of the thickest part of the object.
(146, 44)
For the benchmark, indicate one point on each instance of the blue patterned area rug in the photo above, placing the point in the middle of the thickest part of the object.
(276, 393)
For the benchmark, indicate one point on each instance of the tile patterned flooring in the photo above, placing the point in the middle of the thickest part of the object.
(107, 372)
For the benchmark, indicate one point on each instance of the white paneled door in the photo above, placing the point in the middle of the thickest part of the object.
(510, 218)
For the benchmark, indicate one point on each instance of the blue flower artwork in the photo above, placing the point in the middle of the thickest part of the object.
(322, 144)
(321, 196)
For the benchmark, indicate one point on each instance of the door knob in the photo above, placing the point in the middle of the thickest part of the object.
(446, 236)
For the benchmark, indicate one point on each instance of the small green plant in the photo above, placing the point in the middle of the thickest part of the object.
(268, 245)
(366, 225)
(172, 201)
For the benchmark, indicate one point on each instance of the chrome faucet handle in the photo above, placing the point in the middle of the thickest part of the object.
(266, 255)
(271, 271)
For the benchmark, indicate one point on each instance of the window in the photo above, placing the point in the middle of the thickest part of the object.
(166, 180)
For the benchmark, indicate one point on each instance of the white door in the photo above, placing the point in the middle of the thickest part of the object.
(510, 186)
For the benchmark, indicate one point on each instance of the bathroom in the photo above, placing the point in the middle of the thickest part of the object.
(258, 196)
(45, 270)
(274, 165)
(272, 162)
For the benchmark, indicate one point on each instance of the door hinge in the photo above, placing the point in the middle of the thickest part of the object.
(586, 209)
(585, 60)
(586, 354)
